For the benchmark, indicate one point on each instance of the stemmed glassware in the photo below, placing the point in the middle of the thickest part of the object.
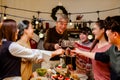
(66, 44)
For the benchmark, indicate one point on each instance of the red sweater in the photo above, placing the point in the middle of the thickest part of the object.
(82, 62)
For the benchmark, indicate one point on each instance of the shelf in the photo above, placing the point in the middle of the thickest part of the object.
(73, 30)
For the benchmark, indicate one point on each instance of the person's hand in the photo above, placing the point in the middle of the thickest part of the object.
(67, 51)
(76, 50)
(57, 46)
(39, 60)
(58, 52)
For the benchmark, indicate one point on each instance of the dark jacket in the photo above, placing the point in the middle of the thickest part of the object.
(9, 65)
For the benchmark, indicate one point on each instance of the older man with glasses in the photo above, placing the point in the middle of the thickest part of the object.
(55, 34)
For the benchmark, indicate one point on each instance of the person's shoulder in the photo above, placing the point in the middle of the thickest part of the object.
(7, 42)
(51, 29)
(113, 47)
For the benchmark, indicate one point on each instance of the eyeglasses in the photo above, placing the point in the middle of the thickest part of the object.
(62, 23)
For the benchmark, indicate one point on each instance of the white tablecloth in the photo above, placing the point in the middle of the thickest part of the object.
(47, 64)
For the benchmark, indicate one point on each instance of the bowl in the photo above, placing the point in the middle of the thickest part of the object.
(41, 72)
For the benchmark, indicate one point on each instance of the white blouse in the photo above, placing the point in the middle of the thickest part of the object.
(20, 51)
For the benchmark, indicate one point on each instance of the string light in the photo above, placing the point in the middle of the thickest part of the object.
(70, 23)
(41, 35)
(98, 15)
(61, 3)
(5, 17)
(36, 22)
(50, 13)
(90, 37)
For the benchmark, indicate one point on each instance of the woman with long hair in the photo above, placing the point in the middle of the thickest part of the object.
(101, 71)
(11, 52)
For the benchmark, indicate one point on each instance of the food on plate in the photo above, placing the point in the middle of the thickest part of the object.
(61, 77)
(67, 78)
(54, 76)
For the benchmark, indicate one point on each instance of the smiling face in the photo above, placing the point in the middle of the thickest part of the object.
(98, 33)
(61, 26)
(83, 37)
(113, 37)
(29, 31)
(25, 30)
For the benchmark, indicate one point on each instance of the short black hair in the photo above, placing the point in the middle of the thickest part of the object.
(113, 23)
(85, 30)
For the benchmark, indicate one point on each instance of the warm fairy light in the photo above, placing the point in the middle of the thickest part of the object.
(70, 23)
(4, 16)
(90, 37)
(36, 22)
(41, 35)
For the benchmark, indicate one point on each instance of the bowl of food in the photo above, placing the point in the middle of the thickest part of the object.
(41, 71)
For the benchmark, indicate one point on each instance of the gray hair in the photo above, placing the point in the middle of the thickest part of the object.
(24, 24)
(62, 16)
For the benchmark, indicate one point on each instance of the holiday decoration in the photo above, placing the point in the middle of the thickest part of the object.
(54, 11)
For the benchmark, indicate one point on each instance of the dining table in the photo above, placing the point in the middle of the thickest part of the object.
(50, 66)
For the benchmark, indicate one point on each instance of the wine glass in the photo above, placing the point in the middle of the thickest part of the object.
(66, 44)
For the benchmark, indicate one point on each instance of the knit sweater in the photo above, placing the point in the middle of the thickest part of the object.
(52, 37)
(83, 64)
